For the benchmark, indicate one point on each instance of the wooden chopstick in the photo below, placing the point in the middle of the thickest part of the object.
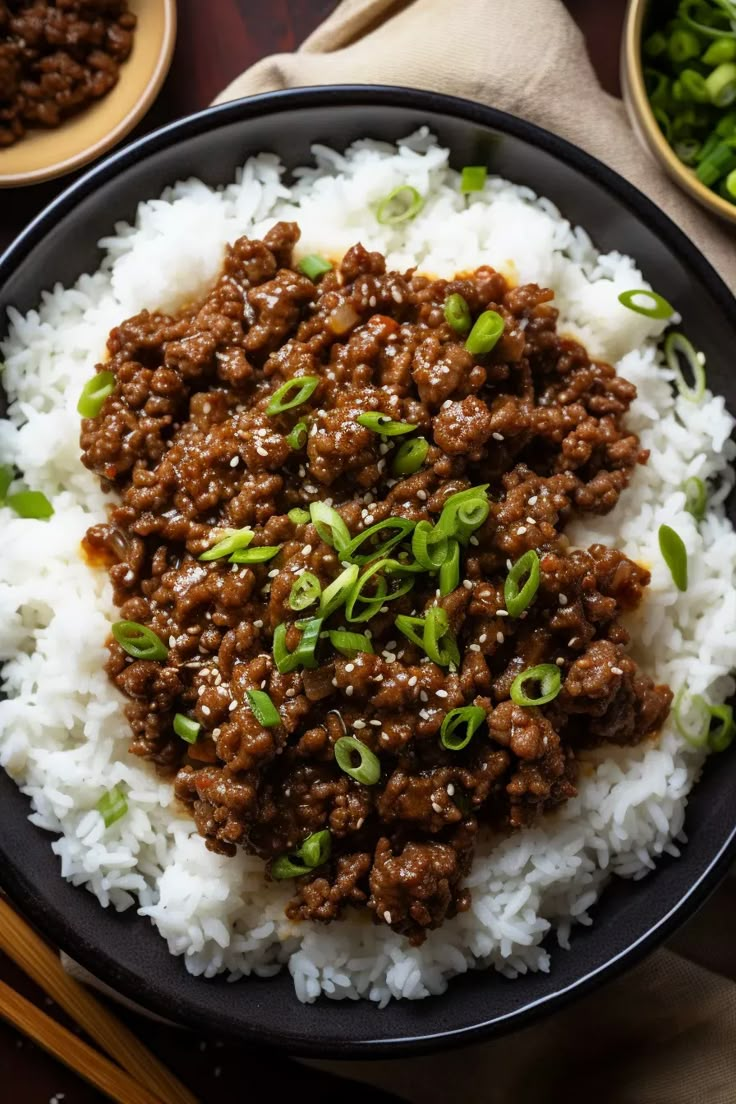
(21, 943)
(77, 1055)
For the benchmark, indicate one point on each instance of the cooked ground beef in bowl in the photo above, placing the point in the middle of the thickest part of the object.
(56, 58)
(354, 709)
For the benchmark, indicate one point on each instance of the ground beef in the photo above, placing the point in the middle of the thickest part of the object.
(186, 442)
(56, 57)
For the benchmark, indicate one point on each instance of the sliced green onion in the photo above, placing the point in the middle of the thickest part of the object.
(349, 643)
(303, 655)
(520, 598)
(463, 513)
(305, 591)
(429, 545)
(655, 306)
(338, 592)
(450, 569)
(94, 393)
(431, 633)
(262, 554)
(696, 497)
(694, 85)
(410, 456)
(297, 439)
(438, 640)
(316, 848)
(112, 806)
(722, 735)
(330, 526)
(264, 711)
(233, 542)
(372, 603)
(692, 717)
(302, 386)
(383, 424)
(677, 345)
(186, 729)
(720, 20)
(730, 184)
(683, 45)
(674, 555)
(655, 44)
(664, 123)
(30, 504)
(723, 49)
(7, 475)
(473, 178)
(487, 329)
(720, 161)
(721, 84)
(402, 527)
(139, 641)
(298, 516)
(313, 266)
(467, 719)
(367, 771)
(457, 313)
(313, 853)
(400, 205)
(550, 683)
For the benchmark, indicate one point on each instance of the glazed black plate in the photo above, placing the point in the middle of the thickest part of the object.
(125, 951)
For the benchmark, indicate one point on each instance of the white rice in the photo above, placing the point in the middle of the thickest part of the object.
(62, 733)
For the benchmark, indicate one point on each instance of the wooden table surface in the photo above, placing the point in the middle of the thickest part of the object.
(210, 52)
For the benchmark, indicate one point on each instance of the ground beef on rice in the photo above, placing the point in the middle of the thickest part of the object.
(186, 442)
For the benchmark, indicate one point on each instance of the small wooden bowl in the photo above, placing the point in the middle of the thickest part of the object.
(646, 126)
(43, 154)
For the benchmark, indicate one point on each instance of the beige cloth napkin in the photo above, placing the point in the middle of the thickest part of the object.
(665, 1033)
(523, 56)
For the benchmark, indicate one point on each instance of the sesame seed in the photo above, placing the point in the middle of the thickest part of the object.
(572, 642)
(233, 705)
(474, 541)
(562, 599)
(368, 519)
(450, 789)
(385, 736)
(423, 696)
(201, 691)
(378, 678)
(258, 624)
(387, 916)
(498, 436)
(291, 693)
(235, 461)
(521, 530)
(273, 573)
(360, 823)
(306, 549)
(349, 667)
(349, 691)
(216, 732)
(437, 808)
(206, 710)
(533, 500)
(467, 584)
(334, 682)
(172, 641)
(261, 450)
(502, 613)
(474, 647)
(359, 724)
(500, 638)
(482, 638)
(560, 661)
(616, 671)
(413, 680)
(531, 521)
(422, 495)
(375, 722)
(441, 693)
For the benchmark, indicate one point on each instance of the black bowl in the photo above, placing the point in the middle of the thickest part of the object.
(632, 918)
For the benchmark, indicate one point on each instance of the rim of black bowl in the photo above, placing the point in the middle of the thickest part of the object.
(55, 925)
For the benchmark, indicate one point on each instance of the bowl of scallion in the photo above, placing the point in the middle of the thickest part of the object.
(678, 74)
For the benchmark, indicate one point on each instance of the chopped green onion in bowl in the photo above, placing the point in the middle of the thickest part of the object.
(400, 205)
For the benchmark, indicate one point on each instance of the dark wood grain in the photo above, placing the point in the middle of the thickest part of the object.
(217, 40)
